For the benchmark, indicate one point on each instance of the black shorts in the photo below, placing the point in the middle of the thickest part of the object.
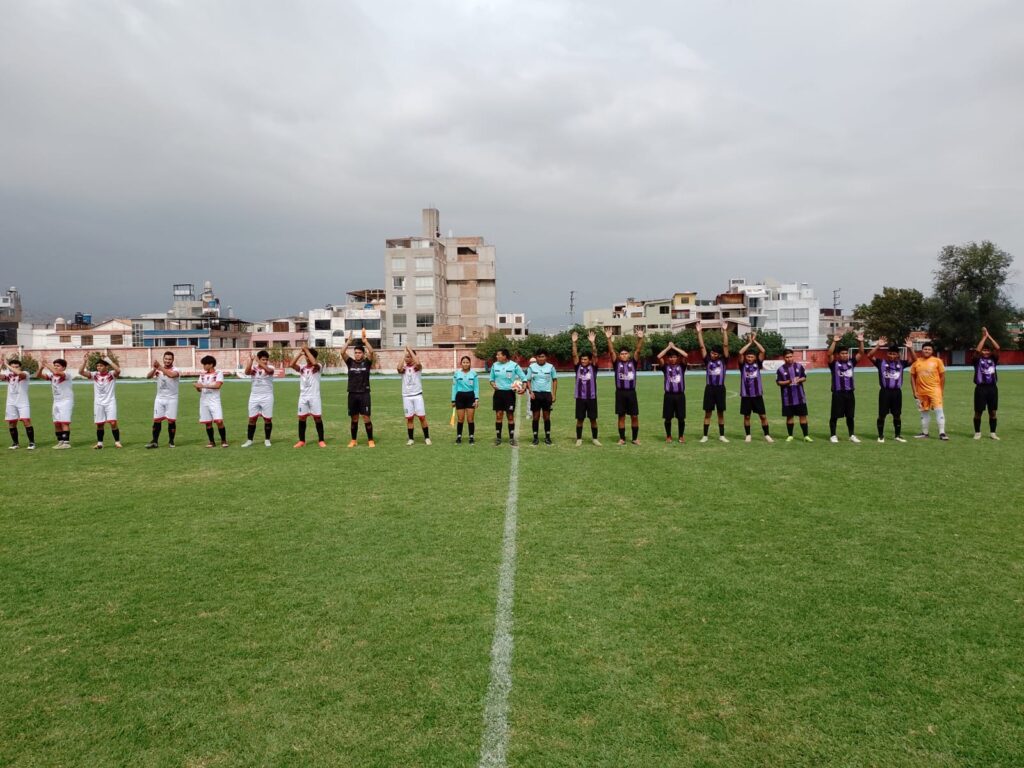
(586, 409)
(749, 405)
(674, 406)
(843, 405)
(625, 403)
(714, 398)
(789, 411)
(890, 401)
(358, 403)
(986, 397)
(504, 400)
(541, 402)
(464, 400)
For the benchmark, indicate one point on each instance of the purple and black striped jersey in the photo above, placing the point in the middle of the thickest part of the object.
(586, 382)
(842, 375)
(675, 379)
(625, 374)
(750, 380)
(985, 370)
(792, 394)
(715, 371)
(890, 373)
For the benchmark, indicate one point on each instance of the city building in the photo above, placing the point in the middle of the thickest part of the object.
(79, 333)
(441, 290)
(193, 321)
(281, 332)
(832, 321)
(10, 316)
(364, 309)
(512, 324)
(628, 316)
(790, 309)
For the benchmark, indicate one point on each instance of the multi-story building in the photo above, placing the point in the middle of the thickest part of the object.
(512, 324)
(441, 290)
(832, 321)
(281, 332)
(193, 321)
(79, 333)
(10, 316)
(790, 309)
(364, 310)
(628, 316)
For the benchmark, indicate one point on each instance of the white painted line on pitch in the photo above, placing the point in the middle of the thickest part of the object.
(494, 744)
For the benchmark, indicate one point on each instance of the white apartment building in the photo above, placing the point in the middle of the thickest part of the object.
(366, 309)
(790, 309)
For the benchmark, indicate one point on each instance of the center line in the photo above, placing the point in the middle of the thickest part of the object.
(494, 744)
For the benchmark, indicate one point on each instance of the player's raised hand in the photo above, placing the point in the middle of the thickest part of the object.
(860, 335)
(640, 333)
(725, 327)
(837, 338)
(574, 336)
(592, 336)
(882, 340)
(984, 331)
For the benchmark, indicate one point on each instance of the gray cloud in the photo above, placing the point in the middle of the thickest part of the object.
(611, 149)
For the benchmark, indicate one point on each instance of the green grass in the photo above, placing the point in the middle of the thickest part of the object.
(697, 605)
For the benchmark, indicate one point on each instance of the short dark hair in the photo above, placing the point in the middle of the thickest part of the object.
(208, 360)
(504, 351)
(928, 344)
(61, 362)
(892, 348)
(14, 361)
(316, 354)
(586, 355)
(787, 351)
(465, 357)
(263, 354)
(168, 353)
(541, 351)
(716, 348)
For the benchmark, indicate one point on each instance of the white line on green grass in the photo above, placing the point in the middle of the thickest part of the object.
(494, 744)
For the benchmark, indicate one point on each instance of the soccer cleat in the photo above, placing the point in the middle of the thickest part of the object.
(547, 440)
(302, 444)
(833, 439)
(596, 442)
(151, 446)
(769, 439)
(497, 441)
(579, 442)
(747, 439)
(994, 436)
(458, 440)
(31, 446)
(881, 439)
(808, 439)
(224, 445)
(921, 436)
(426, 441)
(370, 444)
(635, 442)
(513, 442)
(351, 444)
(321, 444)
(536, 440)
(210, 445)
(14, 447)
(668, 438)
(682, 438)
(704, 439)
(410, 441)
(171, 445)
(267, 443)
(472, 441)
(943, 436)
(789, 438)
(96, 447)
(621, 441)
(723, 439)
(977, 435)
(58, 446)
(900, 439)
(246, 444)
(854, 439)
(117, 444)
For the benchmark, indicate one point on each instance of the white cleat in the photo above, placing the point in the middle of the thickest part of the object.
(769, 439)
(410, 441)
(881, 439)
(426, 441)
(833, 439)
(723, 439)
(977, 435)
(704, 439)
(247, 444)
(994, 436)
(854, 439)
(900, 439)
(267, 443)
(596, 442)
(746, 439)
(579, 442)
(31, 446)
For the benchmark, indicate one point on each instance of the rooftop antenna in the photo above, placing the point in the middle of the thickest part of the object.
(572, 307)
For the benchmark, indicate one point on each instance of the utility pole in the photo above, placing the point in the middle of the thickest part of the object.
(835, 298)
(572, 307)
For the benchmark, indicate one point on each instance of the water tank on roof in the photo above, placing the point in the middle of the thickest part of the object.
(79, 318)
(87, 318)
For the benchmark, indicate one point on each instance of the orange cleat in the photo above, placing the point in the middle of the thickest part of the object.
(300, 444)
(370, 444)
(322, 444)
(352, 443)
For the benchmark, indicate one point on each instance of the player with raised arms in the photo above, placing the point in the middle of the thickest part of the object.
(890, 387)
(413, 404)
(790, 378)
(506, 376)
(465, 397)
(928, 380)
(360, 364)
(986, 384)
(715, 361)
(210, 409)
(752, 387)
(63, 398)
(309, 370)
(673, 404)
(104, 396)
(542, 385)
(165, 405)
(844, 402)
(585, 387)
(261, 396)
(17, 402)
(625, 367)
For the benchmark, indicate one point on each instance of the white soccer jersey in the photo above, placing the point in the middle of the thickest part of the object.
(262, 383)
(208, 380)
(167, 386)
(17, 388)
(60, 384)
(103, 385)
(309, 382)
(412, 382)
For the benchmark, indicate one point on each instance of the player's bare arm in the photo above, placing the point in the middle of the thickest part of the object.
(639, 345)
(114, 367)
(832, 347)
(860, 347)
(249, 367)
(592, 336)
(725, 340)
(294, 365)
(700, 340)
(575, 352)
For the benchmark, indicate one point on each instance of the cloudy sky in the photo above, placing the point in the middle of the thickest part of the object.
(607, 147)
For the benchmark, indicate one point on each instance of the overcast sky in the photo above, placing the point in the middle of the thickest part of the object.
(618, 149)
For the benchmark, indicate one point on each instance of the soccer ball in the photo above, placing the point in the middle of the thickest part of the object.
(518, 387)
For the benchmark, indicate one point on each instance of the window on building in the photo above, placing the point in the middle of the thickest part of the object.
(320, 343)
(116, 340)
(665, 309)
(399, 302)
(400, 320)
(398, 339)
(322, 325)
(279, 327)
(194, 342)
(65, 339)
(398, 263)
(358, 324)
(137, 335)
(424, 321)
(424, 301)
(424, 340)
(424, 283)
(87, 341)
(424, 264)
(398, 282)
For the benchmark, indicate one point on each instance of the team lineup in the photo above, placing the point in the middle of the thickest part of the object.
(538, 382)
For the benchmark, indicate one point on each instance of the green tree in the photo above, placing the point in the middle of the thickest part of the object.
(487, 348)
(970, 292)
(96, 355)
(773, 343)
(893, 313)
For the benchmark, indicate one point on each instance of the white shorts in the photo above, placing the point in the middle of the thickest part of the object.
(210, 411)
(18, 411)
(310, 406)
(101, 414)
(414, 406)
(62, 411)
(261, 406)
(165, 408)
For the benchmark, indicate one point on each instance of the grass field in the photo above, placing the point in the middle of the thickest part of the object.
(698, 605)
